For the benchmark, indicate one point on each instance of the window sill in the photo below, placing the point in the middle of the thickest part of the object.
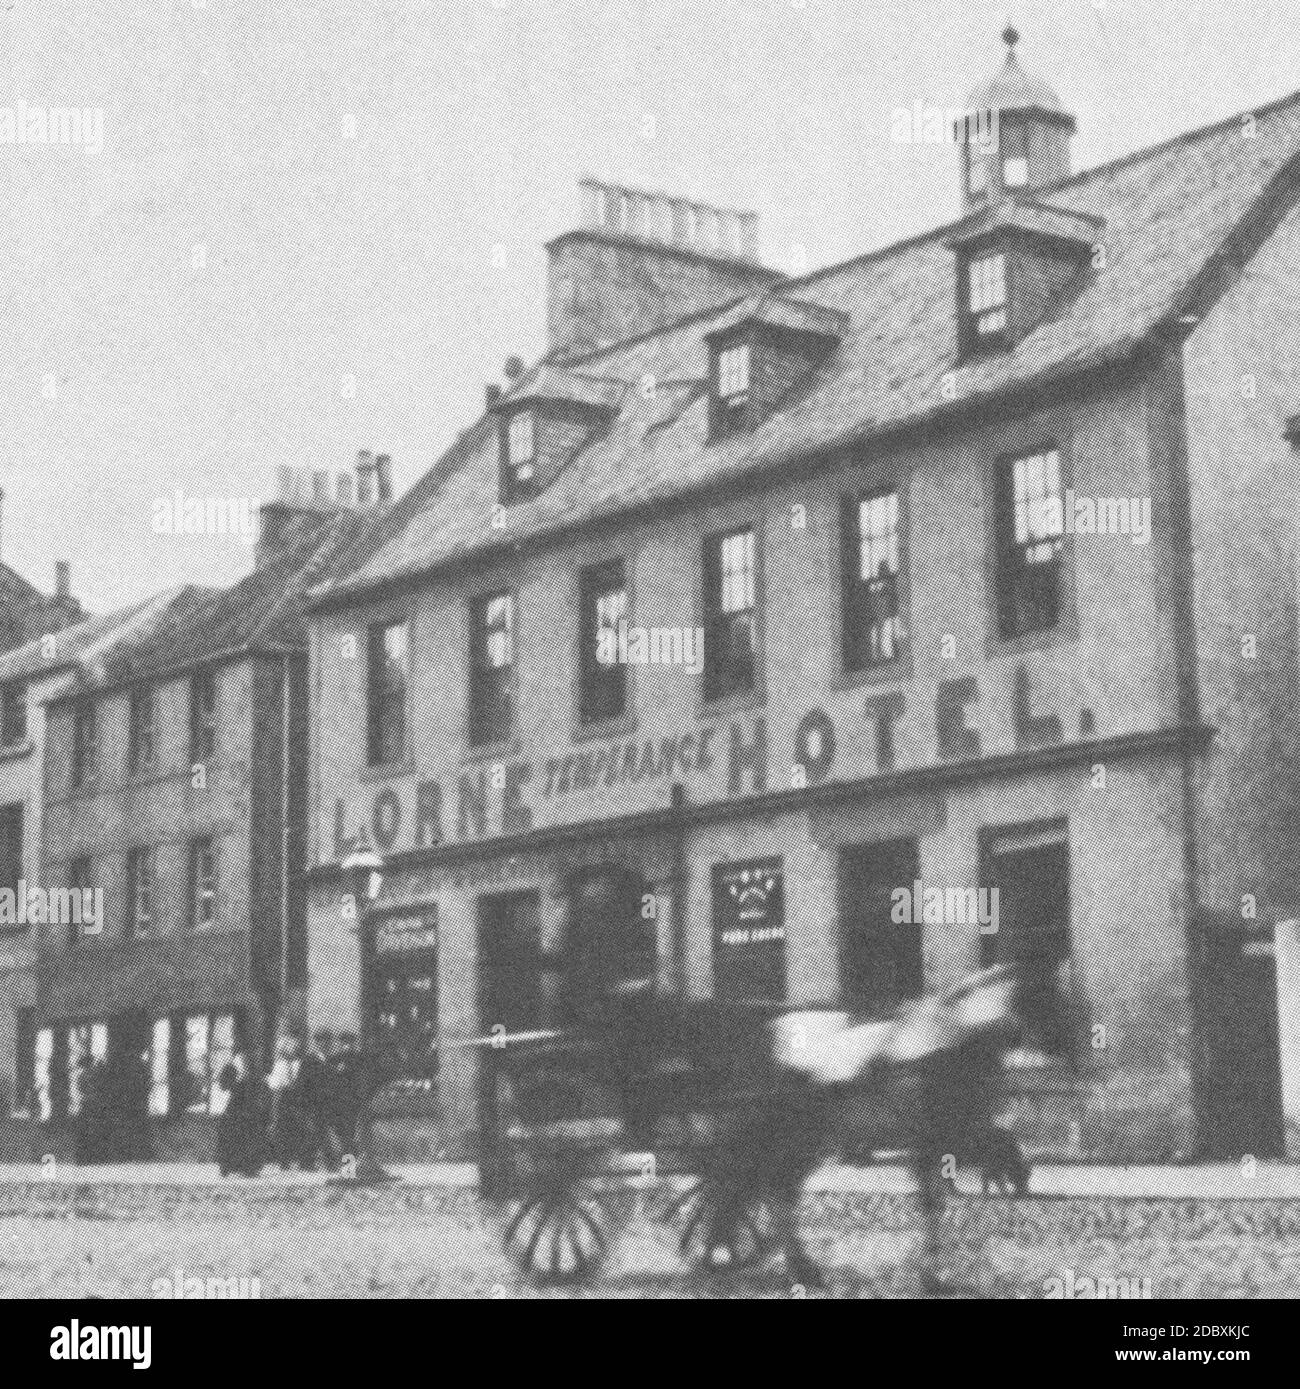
(747, 702)
(882, 673)
(12, 752)
(386, 771)
(1061, 634)
(618, 726)
(491, 752)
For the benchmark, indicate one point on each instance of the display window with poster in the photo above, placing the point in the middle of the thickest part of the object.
(404, 997)
(749, 931)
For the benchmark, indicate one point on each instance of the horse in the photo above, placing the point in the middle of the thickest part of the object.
(928, 1077)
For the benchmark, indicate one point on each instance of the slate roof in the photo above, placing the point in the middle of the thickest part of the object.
(77, 643)
(25, 612)
(1175, 217)
(264, 613)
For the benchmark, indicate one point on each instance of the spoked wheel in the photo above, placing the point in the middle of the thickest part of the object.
(557, 1236)
(723, 1240)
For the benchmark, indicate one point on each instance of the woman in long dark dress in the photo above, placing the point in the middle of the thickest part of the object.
(241, 1130)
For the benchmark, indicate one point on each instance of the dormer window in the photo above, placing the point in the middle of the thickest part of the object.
(733, 386)
(551, 416)
(521, 455)
(762, 354)
(987, 300)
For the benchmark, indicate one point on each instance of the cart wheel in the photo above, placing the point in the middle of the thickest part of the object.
(706, 1241)
(556, 1236)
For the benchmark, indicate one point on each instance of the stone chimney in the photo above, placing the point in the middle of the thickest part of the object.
(306, 495)
(641, 260)
(64, 603)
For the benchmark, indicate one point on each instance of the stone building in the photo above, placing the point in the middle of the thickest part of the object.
(965, 564)
(175, 783)
(30, 676)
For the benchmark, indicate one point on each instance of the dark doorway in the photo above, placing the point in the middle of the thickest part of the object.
(510, 1000)
(609, 940)
(510, 962)
(881, 960)
(1028, 867)
(1244, 1082)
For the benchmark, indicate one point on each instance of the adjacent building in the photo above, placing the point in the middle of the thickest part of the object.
(30, 676)
(767, 606)
(175, 780)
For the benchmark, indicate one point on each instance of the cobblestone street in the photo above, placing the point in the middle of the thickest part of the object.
(307, 1238)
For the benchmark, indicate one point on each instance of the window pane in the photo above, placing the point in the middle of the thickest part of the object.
(42, 1073)
(1031, 529)
(604, 613)
(13, 715)
(160, 1068)
(872, 614)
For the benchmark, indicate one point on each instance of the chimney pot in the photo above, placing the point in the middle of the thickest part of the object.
(492, 394)
(62, 579)
(384, 477)
(514, 369)
(365, 478)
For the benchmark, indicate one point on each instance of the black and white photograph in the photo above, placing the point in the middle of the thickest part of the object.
(649, 651)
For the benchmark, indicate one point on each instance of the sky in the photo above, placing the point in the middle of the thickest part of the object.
(309, 229)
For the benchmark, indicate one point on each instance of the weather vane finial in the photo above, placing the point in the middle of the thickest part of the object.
(1011, 37)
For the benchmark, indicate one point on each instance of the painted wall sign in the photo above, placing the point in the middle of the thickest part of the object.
(713, 760)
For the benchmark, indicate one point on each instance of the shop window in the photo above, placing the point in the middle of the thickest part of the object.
(209, 1046)
(160, 1051)
(87, 1046)
(749, 952)
(43, 1073)
(405, 996)
(24, 1060)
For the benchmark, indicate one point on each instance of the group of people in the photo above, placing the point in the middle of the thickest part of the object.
(113, 1122)
(304, 1113)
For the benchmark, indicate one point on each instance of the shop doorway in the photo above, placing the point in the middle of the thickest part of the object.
(881, 960)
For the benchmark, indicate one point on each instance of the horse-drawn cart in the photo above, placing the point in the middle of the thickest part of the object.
(581, 1123)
